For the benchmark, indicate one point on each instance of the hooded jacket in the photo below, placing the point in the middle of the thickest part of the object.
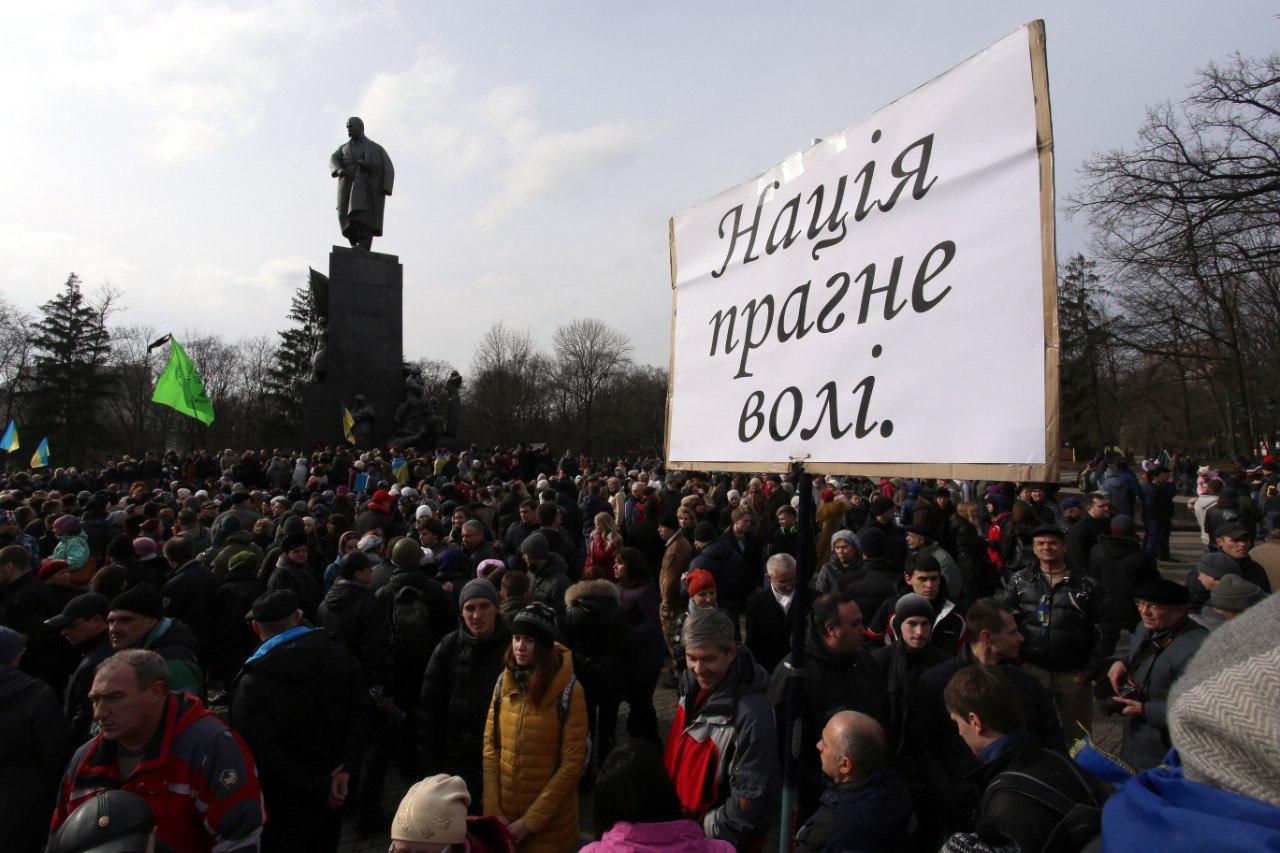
(949, 628)
(352, 613)
(33, 751)
(532, 763)
(198, 778)
(233, 638)
(723, 755)
(672, 835)
(550, 582)
(596, 630)
(1120, 564)
(726, 565)
(175, 642)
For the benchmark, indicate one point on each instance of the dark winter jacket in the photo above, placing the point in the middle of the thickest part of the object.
(727, 566)
(1122, 486)
(902, 668)
(1249, 570)
(550, 582)
(298, 578)
(871, 816)
(457, 693)
(33, 753)
(1120, 565)
(75, 703)
(301, 705)
(25, 602)
(1071, 633)
(940, 758)
(723, 755)
(832, 571)
(175, 642)
(443, 612)
(188, 597)
(871, 584)
(233, 638)
(351, 612)
(596, 630)
(1081, 539)
(768, 629)
(949, 628)
(1155, 662)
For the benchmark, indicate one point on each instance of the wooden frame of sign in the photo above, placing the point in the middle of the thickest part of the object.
(1046, 472)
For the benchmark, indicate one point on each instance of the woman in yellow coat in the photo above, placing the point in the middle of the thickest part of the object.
(535, 740)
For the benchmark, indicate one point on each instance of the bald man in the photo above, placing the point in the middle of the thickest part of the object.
(866, 806)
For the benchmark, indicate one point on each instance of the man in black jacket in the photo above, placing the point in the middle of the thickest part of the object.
(768, 613)
(83, 624)
(1084, 534)
(25, 603)
(1017, 776)
(188, 593)
(301, 705)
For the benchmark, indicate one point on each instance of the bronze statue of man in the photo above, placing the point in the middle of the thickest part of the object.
(365, 175)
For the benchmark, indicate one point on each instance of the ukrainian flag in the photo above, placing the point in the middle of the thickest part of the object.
(40, 459)
(347, 423)
(10, 441)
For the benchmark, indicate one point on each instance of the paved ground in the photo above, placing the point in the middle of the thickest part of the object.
(1185, 550)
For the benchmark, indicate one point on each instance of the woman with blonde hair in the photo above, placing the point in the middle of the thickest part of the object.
(604, 544)
(535, 740)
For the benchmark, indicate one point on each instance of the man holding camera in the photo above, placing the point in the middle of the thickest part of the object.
(1162, 647)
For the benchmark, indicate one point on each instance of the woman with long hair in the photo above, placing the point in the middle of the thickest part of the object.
(535, 739)
(605, 542)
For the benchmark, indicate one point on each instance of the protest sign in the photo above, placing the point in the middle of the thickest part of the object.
(884, 301)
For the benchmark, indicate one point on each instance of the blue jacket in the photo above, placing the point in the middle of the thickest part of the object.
(1159, 809)
(871, 815)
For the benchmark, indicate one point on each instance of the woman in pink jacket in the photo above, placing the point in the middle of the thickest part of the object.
(636, 808)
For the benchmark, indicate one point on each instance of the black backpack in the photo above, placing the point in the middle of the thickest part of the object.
(410, 619)
(1080, 823)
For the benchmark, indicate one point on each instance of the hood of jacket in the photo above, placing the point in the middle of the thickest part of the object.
(299, 659)
(345, 593)
(167, 634)
(593, 595)
(1118, 547)
(15, 685)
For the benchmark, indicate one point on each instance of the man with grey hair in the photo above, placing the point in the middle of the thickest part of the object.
(723, 729)
(866, 805)
(196, 774)
(474, 549)
(768, 625)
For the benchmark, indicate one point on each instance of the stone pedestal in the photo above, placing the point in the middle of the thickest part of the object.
(366, 346)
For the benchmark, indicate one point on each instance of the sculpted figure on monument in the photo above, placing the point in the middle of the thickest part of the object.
(417, 424)
(363, 416)
(365, 175)
(320, 361)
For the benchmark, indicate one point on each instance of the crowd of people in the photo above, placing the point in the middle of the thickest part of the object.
(229, 651)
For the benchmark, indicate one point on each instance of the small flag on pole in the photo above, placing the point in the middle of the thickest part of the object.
(347, 423)
(40, 459)
(179, 386)
(400, 470)
(10, 441)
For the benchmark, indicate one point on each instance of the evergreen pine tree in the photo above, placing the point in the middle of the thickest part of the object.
(70, 346)
(292, 365)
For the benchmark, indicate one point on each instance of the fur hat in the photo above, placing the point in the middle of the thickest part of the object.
(433, 811)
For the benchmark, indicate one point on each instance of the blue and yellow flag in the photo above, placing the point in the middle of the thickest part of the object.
(347, 423)
(10, 441)
(40, 459)
(400, 470)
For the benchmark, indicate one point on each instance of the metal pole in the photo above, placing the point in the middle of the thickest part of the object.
(795, 663)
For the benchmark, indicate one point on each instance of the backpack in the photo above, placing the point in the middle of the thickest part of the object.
(411, 622)
(1080, 823)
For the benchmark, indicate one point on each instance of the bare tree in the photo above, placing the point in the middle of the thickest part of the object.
(503, 392)
(590, 360)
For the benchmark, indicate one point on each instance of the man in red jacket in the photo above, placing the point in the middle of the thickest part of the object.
(194, 772)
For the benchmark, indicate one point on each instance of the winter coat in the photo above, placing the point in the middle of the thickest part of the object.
(74, 549)
(196, 776)
(351, 613)
(188, 597)
(25, 602)
(1120, 564)
(595, 629)
(941, 760)
(871, 816)
(1081, 539)
(457, 693)
(723, 755)
(175, 642)
(684, 836)
(550, 582)
(301, 704)
(33, 753)
(902, 668)
(768, 629)
(726, 565)
(1163, 810)
(1071, 634)
(829, 684)
(75, 704)
(871, 585)
(1122, 486)
(829, 518)
(675, 562)
(640, 605)
(832, 571)
(298, 578)
(1154, 667)
(532, 763)
(949, 627)
(233, 638)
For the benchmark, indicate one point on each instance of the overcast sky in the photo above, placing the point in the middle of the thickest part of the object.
(179, 150)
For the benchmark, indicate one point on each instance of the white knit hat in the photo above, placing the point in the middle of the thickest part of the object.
(434, 810)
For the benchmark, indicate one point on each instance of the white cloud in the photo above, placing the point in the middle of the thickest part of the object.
(37, 263)
(498, 135)
(198, 74)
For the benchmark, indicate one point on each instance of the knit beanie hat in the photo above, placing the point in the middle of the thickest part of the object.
(433, 811)
(536, 546)
(912, 604)
(1234, 594)
(1222, 716)
(242, 559)
(536, 620)
(872, 542)
(1217, 565)
(142, 599)
(478, 588)
(846, 535)
(66, 525)
(699, 580)
(10, 645)
(144, 547)
(293, 540)
(881, 505)
(704, 532)
(51, 568)
(1122, 525)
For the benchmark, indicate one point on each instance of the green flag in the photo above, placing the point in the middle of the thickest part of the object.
(179, 387)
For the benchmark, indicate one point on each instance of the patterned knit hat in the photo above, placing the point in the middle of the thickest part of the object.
(536, 620)
(1222, 711)
(433, 811)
